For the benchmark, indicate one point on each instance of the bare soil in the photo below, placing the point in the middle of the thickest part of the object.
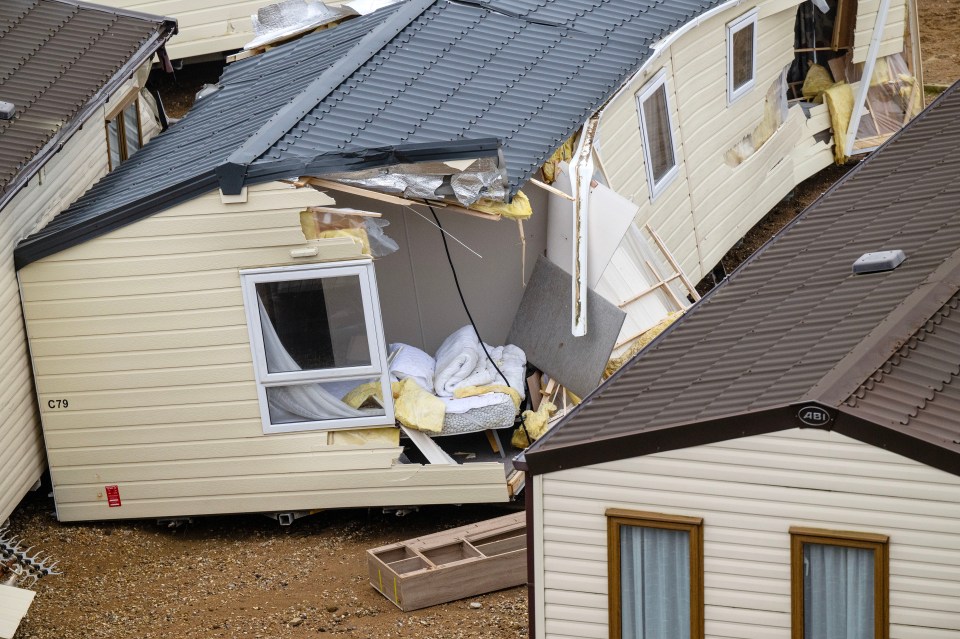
(940, 40)
(245, 576)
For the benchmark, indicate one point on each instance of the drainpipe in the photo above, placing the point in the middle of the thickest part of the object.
(581, 175)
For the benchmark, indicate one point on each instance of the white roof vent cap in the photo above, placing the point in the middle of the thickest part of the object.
(879, 261)
(7, 110)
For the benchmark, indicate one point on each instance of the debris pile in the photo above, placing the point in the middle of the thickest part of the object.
(17, 566)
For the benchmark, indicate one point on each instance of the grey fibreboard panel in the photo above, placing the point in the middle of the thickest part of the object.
(542, 329)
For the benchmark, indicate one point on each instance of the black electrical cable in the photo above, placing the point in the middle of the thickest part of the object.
(463, 301)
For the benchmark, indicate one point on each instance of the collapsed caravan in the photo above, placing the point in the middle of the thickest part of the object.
(226, 324)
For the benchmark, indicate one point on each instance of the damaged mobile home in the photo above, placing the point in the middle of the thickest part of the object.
(226, 324)
(805, 481)
(72, 104)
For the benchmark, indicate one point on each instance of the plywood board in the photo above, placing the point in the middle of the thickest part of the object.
(541, 328)
(14, 603)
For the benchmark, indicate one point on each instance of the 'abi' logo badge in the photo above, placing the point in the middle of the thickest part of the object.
(813, 415)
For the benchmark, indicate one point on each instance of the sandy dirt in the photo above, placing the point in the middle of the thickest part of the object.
(245, 576)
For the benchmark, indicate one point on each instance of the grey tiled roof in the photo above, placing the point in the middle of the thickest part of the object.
(424, 75)
(55, 56)
(795, 325)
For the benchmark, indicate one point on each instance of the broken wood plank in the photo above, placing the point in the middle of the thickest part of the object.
(552, 189)
(426, 445)
(343, 211)
(673, 262)
(453, 564)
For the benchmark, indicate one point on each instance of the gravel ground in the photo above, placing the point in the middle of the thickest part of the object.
(244, 576)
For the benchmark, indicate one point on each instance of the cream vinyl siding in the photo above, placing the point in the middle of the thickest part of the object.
(205, 26)
(893, 32)
(749, 492)
(74, 169)
(143, 332)
(711, 205)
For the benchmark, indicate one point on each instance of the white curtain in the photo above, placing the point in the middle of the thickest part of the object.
(302, 402)
(837, 592)
(654, 583)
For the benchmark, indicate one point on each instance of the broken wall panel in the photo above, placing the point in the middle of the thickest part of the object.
(542, 330)
(419, 299)
(143, 332)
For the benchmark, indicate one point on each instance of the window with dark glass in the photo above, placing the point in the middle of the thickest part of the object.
(657, 131)
(124, 136)
(318, 347)
(741, 55)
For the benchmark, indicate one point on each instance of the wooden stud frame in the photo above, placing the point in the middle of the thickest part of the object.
(746, 20)
(881, 572)
(616, 518)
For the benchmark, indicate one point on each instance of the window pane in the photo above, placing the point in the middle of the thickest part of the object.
(313, 324)
(113, 142)
(837, 592)
(319, 402)
(131, 129)
(655, 583)
(657, 121)
(743, 56)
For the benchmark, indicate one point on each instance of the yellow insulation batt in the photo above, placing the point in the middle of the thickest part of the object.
(417, 408)
(518, 209)
(535, 424)
(471, 391)
(616, 363)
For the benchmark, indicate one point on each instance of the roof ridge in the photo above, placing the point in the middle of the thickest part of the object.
(913, 313)
(232, 172)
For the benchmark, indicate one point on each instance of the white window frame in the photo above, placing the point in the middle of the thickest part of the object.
(750, 17)
(363, 269)
(656, 188)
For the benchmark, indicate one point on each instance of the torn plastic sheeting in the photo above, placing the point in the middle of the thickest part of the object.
(468, 187)
(432, 180)
(283, 20)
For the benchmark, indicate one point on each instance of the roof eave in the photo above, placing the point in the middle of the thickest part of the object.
(660, 439)
(37, 248)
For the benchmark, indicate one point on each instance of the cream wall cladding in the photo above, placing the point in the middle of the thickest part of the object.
(68, 174)
(711, 205)
(205, 26)
(145, 378)
(749, 492)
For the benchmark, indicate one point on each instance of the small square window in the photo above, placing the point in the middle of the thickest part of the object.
(655, 575)
(656, 127)
(318, 347)
(741, 55)
(839, 584)
(124, 136)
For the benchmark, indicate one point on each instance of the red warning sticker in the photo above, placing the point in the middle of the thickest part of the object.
(113, 496)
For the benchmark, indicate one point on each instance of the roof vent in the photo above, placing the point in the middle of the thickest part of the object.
(7, 110)
(878, 262)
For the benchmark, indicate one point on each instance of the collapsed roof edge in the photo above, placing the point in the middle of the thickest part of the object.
(232, 173)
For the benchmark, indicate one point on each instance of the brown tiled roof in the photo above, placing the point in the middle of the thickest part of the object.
(794, 326)
(57, 57)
